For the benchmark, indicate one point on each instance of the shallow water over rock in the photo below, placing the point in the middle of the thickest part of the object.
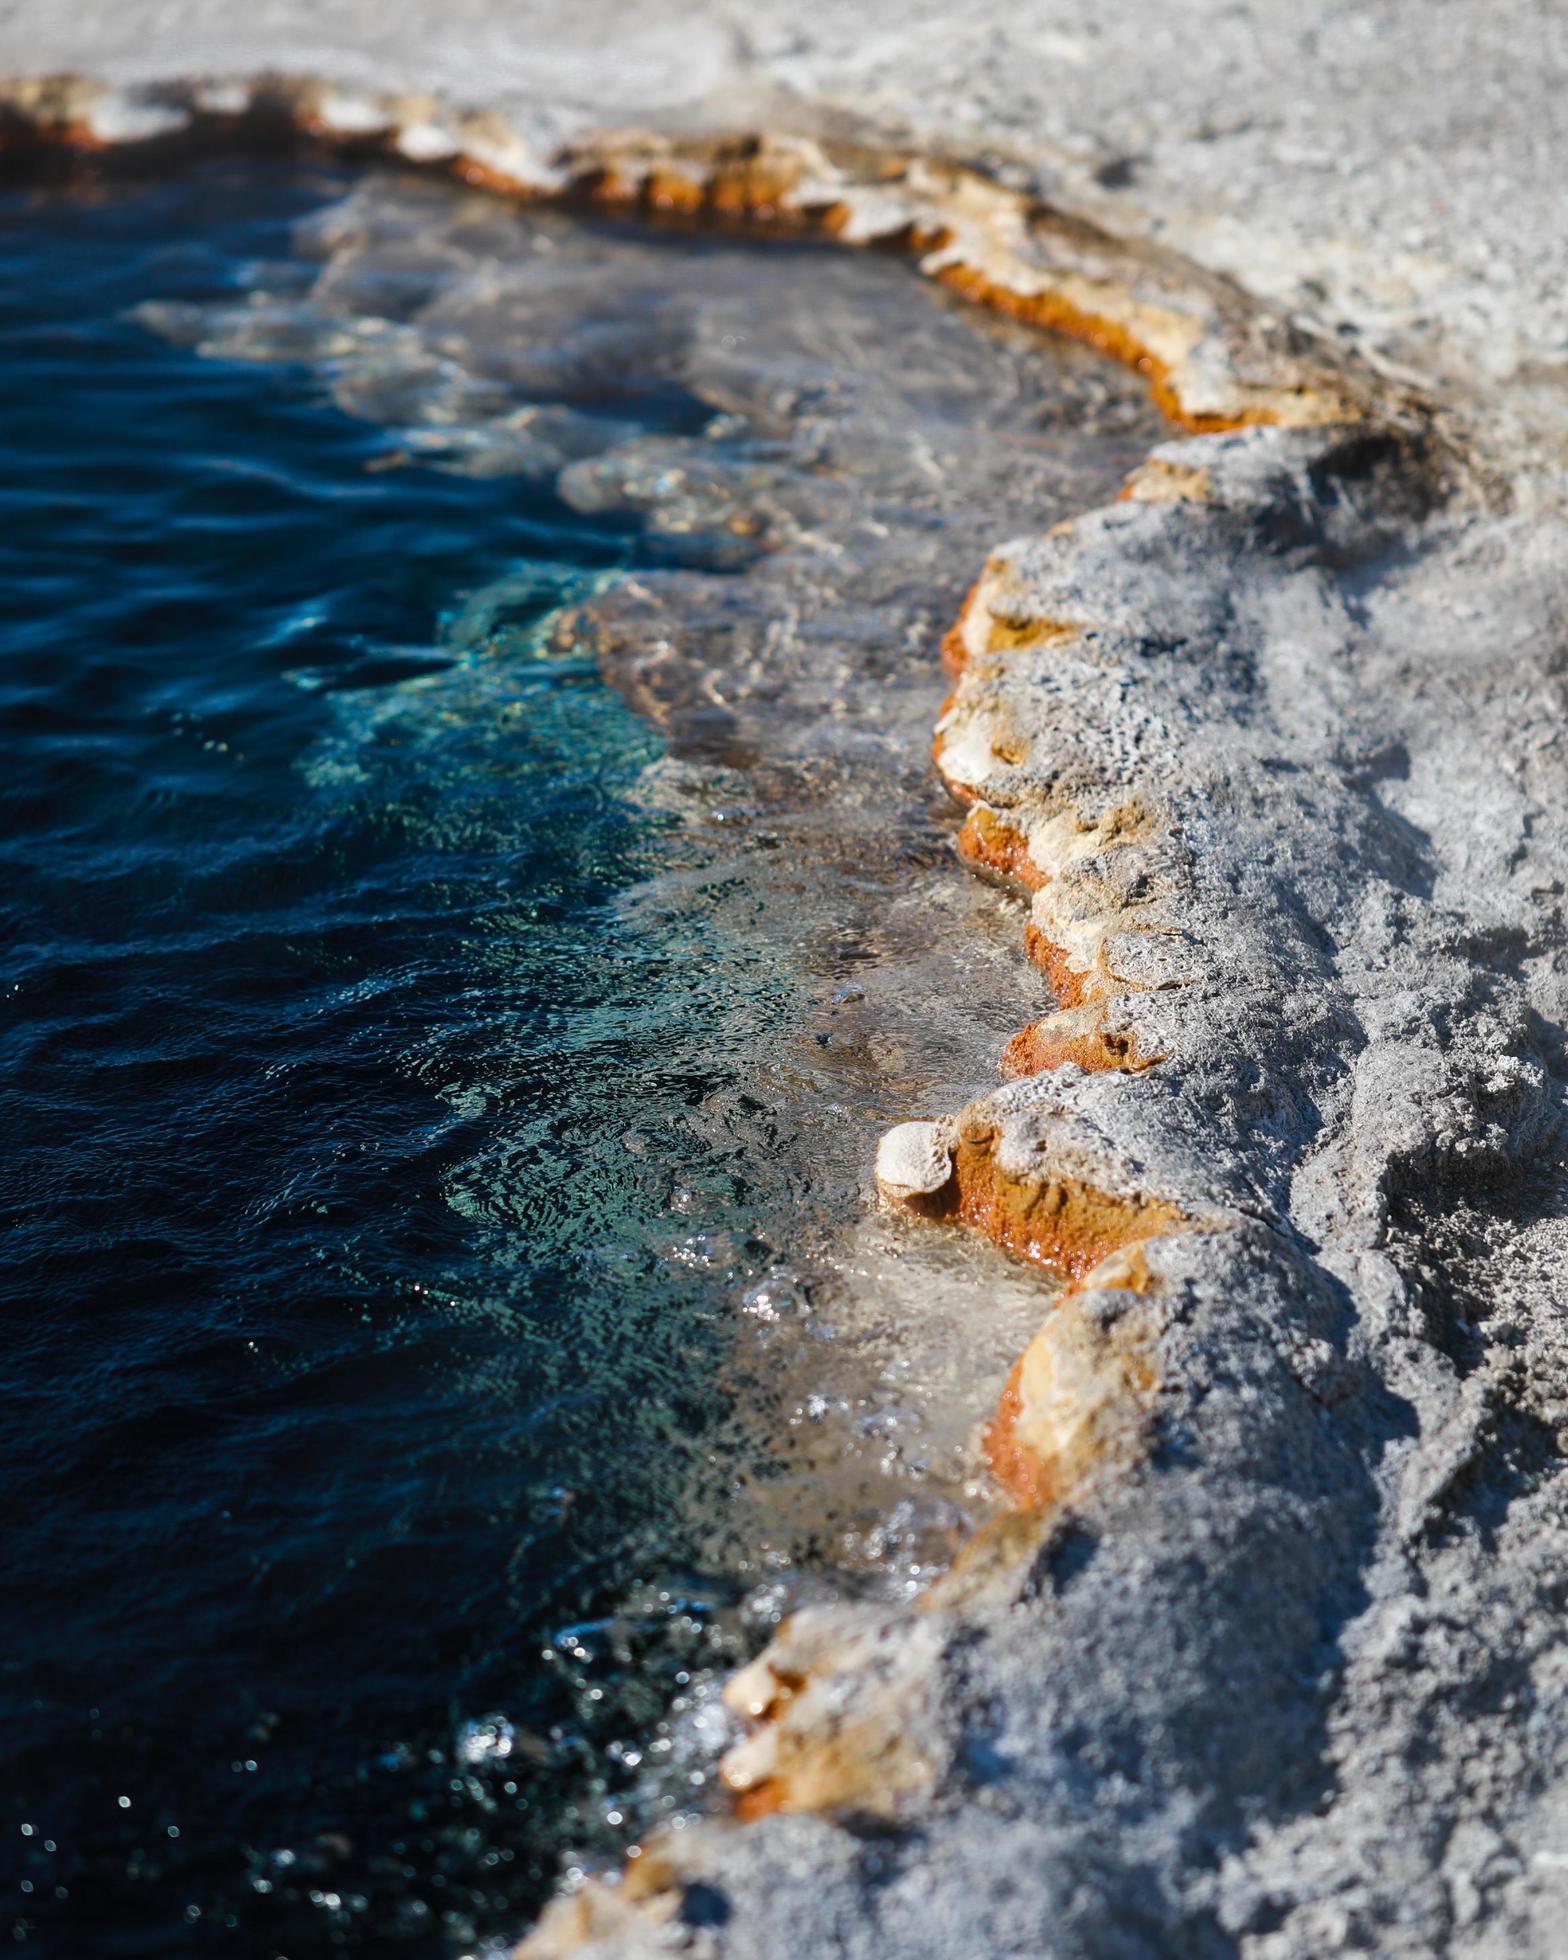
(457, 1325)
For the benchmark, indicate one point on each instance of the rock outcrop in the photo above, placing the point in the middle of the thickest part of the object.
(1211, 1683)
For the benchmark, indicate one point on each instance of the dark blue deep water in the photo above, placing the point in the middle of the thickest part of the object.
(443, 1325)
(347, 1382)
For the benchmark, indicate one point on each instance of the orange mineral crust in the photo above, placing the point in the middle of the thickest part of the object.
(1078, 1397)
(1075, 1037)
(1070, 984)
(1058, 1221)
(1077, 1401)
(1045, 1201)
(990, 844)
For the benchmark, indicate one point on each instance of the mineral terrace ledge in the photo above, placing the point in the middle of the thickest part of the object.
(1213, 359)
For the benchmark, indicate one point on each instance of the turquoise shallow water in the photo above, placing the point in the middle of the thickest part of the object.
(349, 1373)
(446, 1322)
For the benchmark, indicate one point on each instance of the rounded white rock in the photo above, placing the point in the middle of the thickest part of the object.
(915, 1159)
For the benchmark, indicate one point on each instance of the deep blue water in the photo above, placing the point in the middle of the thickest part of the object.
(347, 1381)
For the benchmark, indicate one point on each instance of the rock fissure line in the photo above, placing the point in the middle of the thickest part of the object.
(1152, 1703)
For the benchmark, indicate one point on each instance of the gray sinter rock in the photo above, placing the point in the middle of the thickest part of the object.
(1292, 1682)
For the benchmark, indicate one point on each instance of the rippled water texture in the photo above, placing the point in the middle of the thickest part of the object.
(473, 892)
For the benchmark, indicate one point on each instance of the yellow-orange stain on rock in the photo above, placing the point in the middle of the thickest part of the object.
(1074, 1036)
(990, 844)
(1070, 984)
(1077, 1402)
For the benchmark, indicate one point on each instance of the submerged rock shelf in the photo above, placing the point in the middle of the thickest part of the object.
(1267, 1653)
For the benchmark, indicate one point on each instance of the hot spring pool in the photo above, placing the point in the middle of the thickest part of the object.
(473, 893)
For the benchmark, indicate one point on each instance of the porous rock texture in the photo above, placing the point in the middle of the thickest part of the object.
(1268, 1658)
(1263, 1652)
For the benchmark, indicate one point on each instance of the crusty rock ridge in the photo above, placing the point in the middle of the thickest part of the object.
(1213, 359)
(1217, 1683)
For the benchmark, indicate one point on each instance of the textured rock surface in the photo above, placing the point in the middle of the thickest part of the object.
(1270, 1656)
(1273, 1659)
